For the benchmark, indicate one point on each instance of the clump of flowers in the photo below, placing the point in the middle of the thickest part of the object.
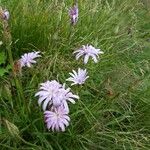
(28, 59)
(52, 93)
(74, 14)
(88, 51)
(78, 77)
(54, 97)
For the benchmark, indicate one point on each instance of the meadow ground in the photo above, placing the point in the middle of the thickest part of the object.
(114, 106)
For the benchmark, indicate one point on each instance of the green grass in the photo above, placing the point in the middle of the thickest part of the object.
(114, 106)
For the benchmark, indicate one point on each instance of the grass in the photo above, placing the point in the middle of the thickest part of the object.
(113, 110)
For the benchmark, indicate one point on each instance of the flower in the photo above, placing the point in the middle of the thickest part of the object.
(28, 59)
(78, 77)
(6, 14)
(47, 92)
(74, 13)
(62, 96)
(87, 51)
(54, 94)
(57, 119)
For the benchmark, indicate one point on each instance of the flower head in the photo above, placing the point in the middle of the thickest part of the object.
(57, 119)
(88, 51)
(6, 14)
(54, 94)
(78, 77)
(74, 13)
(47, 92)
(28, 59)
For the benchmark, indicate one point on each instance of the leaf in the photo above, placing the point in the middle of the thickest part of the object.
(2, 58)
(4, 70)
(13, 129)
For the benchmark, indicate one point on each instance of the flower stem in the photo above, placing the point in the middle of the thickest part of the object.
(8, 42)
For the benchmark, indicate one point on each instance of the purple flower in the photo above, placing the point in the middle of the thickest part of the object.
(69, 95)
(28, 59)
(88, 51)
(6, 14)
(78, 77)
(63, 96)
(74, 13)
(47, 92)
(57, 119)
(54, 94)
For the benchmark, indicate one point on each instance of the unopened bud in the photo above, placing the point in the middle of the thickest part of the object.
(6, 14)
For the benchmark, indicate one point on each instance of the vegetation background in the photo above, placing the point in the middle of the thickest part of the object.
(113, 112)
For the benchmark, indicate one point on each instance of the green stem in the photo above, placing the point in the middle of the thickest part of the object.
(18, 85)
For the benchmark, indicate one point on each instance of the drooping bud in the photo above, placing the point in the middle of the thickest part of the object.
(74, 14)
(4, 14)
(17, 69)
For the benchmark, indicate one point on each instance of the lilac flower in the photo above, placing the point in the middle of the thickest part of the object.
(47, 92)
(57, 119)
(28, 59)
(78, 77)
(6, 14)
(88, 51)
(54, 94)
(65, 95)
(74, 13)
